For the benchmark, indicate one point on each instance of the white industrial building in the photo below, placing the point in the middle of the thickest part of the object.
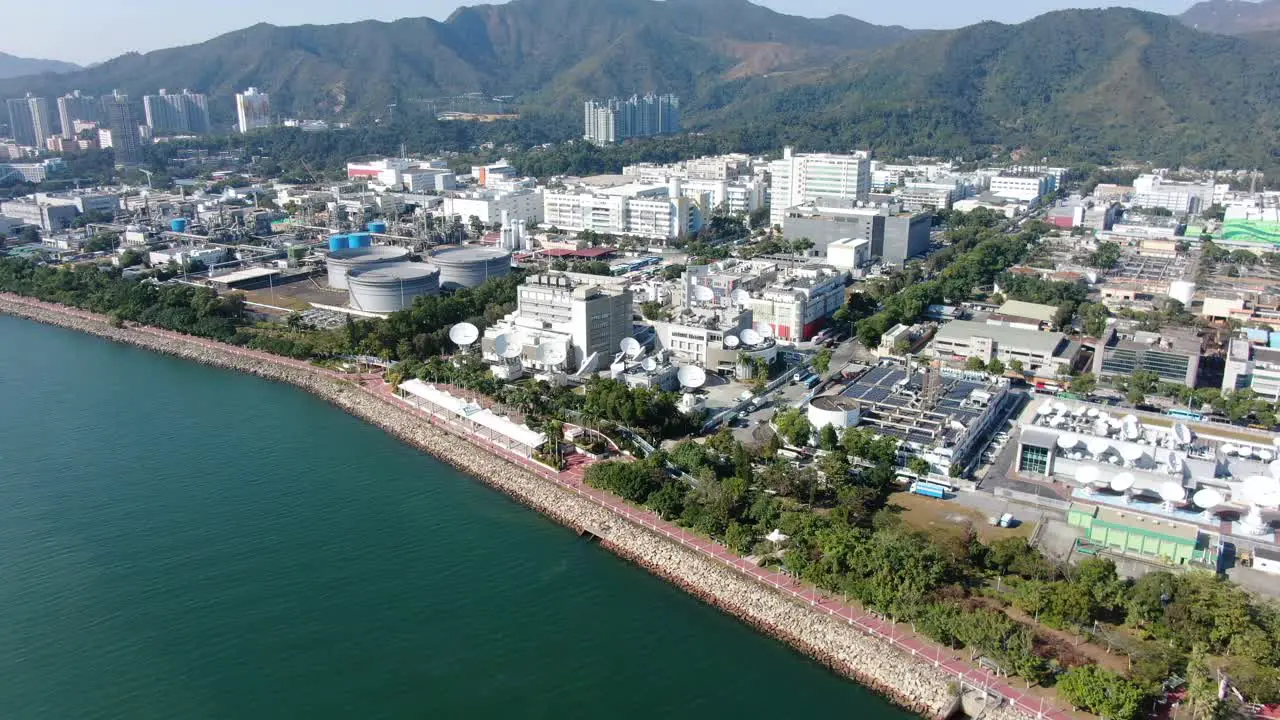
(1026, 187)
(1043, 354)
(1180, 198)
(656, 212)
(798, 305)
(800, 178)
(489, 205)
(849, 253)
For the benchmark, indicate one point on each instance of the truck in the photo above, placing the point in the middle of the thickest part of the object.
(812, 381)
(928, 489)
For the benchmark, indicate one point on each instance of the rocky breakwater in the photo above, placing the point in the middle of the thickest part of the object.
(911, 682)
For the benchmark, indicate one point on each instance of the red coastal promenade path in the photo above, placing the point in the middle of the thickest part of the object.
(897, 635)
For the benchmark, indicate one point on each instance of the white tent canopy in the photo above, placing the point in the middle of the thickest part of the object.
(487, 419)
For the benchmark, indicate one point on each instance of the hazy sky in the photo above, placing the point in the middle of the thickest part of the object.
(86, 31)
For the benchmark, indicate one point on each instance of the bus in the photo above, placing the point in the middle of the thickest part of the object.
(1182, 414)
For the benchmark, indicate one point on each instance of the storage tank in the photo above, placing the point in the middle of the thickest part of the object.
(389, 287)
(470, 266)
(1183, 291)
(378, 227)
(359, 240)
(178, 225)
(337, 242)
(341, 262)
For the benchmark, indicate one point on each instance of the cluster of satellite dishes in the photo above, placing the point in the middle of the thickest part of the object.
(752, 337)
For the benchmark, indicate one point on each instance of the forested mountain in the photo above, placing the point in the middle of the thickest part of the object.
(12, 66)
(1234, 17)
(543, 49)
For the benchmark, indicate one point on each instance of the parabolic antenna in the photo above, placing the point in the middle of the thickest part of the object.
(740, 297)
(649, 364)
(765, 331)
(1207, 498)
(1088, 475)
(507, 345)
(1274, 469)
(1228, 449)
(1261, 490)
(463, 334)
(1100, 427)
(1060, 407)
(1182, 434)
(1131, 453)
(1245, 451)
(1172, 492)
(1066, 441)
(751, 337)
(1122, 482)
(553, 353)
(692, 376)
(631, 347)
(1044, 409)
(1092, 412)
(703, 294)
(1098, 446)
(731, 341)
(1265, 456)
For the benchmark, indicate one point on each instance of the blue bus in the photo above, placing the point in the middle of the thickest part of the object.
(928, 489)
(1181, 414)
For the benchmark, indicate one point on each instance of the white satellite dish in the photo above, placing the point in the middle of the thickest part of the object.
(1172, 492)
(1228, 449)
(1044, 409)
(1088, 474)
(1266, 456)
(731, 341)
(740, 297)
(1123, 482)
(554, 354)
(1131, 453)
(1066, 441)
(1274, 469)
(703, 294)
(692, 376)
(1100, 427)
(1207, 498)
(1246, 451)
(649, 364)
(1092, 412)
(463, 334)
(631, 347)
(1060, 407)
(751, 337)
(1261, 490)
(765, 331)
(508, 345)
(1097, 446)
(1182, 434)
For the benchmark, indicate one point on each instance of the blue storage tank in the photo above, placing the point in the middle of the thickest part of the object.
(337, 242)
(359, 240)
(178, 225)
(377, 226)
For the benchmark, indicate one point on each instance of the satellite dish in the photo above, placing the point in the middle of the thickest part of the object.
(1261, 490)
(731, 341)
(751, 337)
(1131, 453)
(1066, 441)
(1274, 469)
(1098, 446)
(1172, 492)
(1088, 474)
(765, 331)
(1122, 482)
(555, 353)
(1182, 434)
(542, 353)
(507, 345)
(1060, 407)
(1228, 449)
(692, 376)
(631, 347)
(1207, 498)
(1092, 412)
(703, 294)
(1246, 451)
(464, 334)
(1044, 409)
(649, 364)
(741, 297)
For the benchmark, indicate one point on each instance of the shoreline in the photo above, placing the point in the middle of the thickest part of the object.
(910, 682)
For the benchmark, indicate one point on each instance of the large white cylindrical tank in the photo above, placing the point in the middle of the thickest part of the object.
(835, 411)
(1183, 291)
(341, 262)
(390, 287)
(470, 266)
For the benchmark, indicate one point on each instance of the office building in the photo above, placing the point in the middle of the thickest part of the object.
(1180, 198)
(617, 119)
(1025, 187)
(125, 140)
(186, 112)
(30, 121)
(695, 336)
(895, 236)
(490, 205)
(1252, 367)
(73, 108)
(253, 110)
(800, 178)
(494, 175)
(1045, 355)
(798, 306)
(586, 318)
(1173, 354)
(656, 212)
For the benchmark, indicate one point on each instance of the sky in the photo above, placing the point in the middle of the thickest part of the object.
(88, 31)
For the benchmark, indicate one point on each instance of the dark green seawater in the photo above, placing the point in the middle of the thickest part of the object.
(182, 542)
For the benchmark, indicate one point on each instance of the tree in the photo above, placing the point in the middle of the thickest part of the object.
(1135, 396)
(630, 480)
(1016, 366)
(1101, 692)
(29, 235)
(1093, 318)
(975, 363)
(995, 367)
(919, 466)
(1084, 383)
(668, 500)
(1106, 256)
(794, 426)
(822, 361)
(829, 439)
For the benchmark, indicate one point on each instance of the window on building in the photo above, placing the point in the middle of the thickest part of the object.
(1034, 460)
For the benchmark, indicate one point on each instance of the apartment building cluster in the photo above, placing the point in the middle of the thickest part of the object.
(616, 119)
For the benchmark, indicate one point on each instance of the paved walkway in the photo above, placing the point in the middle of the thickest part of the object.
(899, 636)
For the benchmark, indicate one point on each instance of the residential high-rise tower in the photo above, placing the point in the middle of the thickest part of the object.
(73, 107)
(253, 109)
(121, 117)
(30, 120)
(187, 112)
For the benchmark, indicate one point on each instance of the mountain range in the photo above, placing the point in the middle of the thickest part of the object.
(12, 66)
(1081, 83)
(1234, 17)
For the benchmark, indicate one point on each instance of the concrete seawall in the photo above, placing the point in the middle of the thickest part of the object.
(909, 681)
